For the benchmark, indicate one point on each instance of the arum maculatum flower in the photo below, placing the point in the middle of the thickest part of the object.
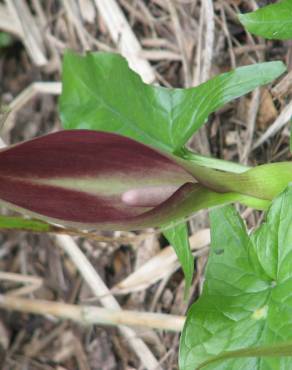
(92, 179)
(99, 180)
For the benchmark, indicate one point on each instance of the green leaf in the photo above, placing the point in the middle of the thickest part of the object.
(177, 235)
(272, 22)
(100, 92)
(246, 300)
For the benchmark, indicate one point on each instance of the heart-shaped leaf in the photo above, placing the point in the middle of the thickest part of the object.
(246, 300)
(101, 92)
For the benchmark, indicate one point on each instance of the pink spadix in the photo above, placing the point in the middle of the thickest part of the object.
(148, 196)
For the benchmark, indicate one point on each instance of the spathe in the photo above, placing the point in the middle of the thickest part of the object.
(88, 179)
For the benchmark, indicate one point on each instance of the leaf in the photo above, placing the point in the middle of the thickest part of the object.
(177, 235)
(272, 21)
(246, 300)
(100, 92)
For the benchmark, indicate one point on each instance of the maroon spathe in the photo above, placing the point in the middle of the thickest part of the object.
(85, 155)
